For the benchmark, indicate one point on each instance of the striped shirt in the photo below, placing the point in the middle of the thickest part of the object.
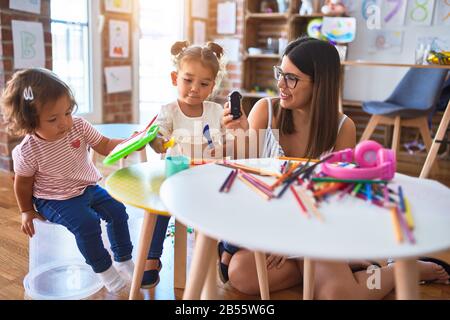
(272, 148)
(62, 169)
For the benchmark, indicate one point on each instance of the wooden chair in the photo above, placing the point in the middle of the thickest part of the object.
(408, 106)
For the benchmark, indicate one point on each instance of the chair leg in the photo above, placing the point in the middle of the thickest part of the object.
(396, 135)
(435, 146)
(425, 133)
(261, 270)
(373, 122)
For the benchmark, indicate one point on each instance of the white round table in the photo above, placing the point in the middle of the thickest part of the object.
(352, 228)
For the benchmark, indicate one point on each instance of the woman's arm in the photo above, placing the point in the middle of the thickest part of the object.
(347, 136)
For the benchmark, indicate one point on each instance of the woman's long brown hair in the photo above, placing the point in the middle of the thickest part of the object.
(319, 60)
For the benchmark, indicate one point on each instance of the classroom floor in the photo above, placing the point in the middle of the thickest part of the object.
(14, 252)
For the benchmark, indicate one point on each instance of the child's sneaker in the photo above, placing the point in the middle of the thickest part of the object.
(112, 280)
(125, 269)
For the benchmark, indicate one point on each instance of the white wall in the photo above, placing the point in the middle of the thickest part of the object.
(376, 83)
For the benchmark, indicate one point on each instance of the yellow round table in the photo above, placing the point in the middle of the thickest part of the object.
(138, 186)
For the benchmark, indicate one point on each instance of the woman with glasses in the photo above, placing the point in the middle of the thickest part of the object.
(303, 121)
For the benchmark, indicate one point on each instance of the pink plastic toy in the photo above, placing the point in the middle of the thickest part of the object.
(372, 159)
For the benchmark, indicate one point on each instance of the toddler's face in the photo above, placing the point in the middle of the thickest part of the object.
(55, 119)
(194, 82)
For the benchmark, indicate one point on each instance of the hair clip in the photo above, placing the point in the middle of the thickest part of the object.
(28, 94)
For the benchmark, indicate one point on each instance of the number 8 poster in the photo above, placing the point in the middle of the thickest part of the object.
(420, 12)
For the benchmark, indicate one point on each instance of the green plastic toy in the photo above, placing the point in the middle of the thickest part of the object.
(134, 143)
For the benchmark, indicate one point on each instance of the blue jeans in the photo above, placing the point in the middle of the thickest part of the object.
(159, 234)
(81, 215)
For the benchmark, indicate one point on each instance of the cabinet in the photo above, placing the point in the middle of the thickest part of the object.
(265, 35)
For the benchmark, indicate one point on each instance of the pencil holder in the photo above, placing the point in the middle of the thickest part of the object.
(57, 270)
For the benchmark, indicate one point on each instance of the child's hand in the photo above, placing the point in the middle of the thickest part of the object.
(27, 222)
(158, 145)
(275, 261)
(229, 123)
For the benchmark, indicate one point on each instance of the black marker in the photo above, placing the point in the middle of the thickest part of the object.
(234, 98)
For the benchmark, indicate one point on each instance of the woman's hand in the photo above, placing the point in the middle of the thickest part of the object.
(275, 261)
(27, 222)
(229, 123)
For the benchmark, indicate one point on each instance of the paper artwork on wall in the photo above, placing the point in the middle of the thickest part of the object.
(230, 47)
(442, 17)
(199, 32)
(118, 79)
(123, 6)
(199, 9)
(33, 6)
(118, 39)
(387, 41)
(394, 12)
(420, 13)
(28, 44)
(226, 18)
(339, 30)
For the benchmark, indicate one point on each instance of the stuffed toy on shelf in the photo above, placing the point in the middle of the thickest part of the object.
(334, 8)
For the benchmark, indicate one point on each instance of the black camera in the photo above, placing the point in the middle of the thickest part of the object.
(234, 98)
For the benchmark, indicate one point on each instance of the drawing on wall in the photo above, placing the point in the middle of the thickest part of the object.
(118, 39)
(366, 5)
(387, 41)
(226, 18)
(420, 12)
(442, 17)
(199, 9)
(118, 79)
(118, 6)
(339, 30)
(33, 6)
(28, 44)
(394, 12)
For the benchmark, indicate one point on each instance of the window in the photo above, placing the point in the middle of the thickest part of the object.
(161, 24)
(74, 53)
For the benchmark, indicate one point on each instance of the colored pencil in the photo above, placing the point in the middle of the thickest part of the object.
(329, 189)
(408, 215)
(401, 199)
(346, 191)
(396, 225)
(298, 159)
(249, 184)
(356, 190)
(256, 181)
(257, 171)
(309, 203)
(230, 181)
(226, 181)
(369, 192)
(406, 229)
(316, 179)
(299, 201)
(285, 176)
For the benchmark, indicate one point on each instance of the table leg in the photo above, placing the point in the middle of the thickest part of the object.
(406, 279)
(180, 252)
(261, 269)
(308, 279)
(435, 146)
(145, 239)
(204, 249)
(209, 291)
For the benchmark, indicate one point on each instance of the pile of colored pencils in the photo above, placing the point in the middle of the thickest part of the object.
(309, 190)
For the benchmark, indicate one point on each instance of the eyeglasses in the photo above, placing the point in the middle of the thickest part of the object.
(289, 79)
